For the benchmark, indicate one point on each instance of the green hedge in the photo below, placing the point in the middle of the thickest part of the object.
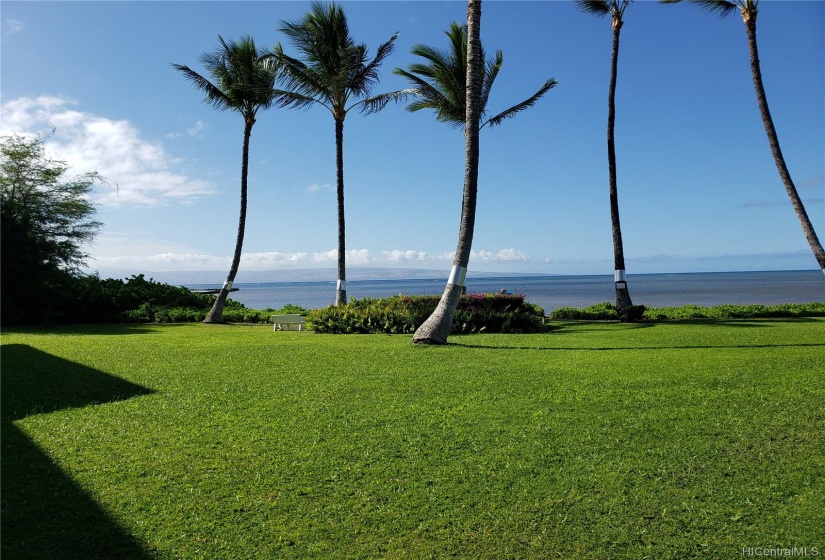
(233, 312)
(606, 311)
(492, 313)
(89, 299)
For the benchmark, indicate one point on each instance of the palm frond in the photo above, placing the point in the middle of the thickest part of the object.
(367, 75)
(212, 94)
(526, 104)
(599, 8)
(293, 100)
(491, 70)
(440, 82)
(378, 102)
(722, 7)
(242, 79)
(297, 76)
(428, 95)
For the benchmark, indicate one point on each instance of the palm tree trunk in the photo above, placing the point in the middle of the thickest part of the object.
(623, 302)
(437, 327)
(215, 315)
(807, 228)
(341, 285)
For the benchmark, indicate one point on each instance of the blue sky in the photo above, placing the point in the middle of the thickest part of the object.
(698, 189)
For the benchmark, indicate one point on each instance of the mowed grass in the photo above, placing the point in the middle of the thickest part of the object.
(597, 440)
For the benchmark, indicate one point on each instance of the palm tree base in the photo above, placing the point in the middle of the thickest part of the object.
(624, 305)
(436, 328)
(215, 315)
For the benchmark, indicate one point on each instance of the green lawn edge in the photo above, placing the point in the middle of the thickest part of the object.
(695, 439)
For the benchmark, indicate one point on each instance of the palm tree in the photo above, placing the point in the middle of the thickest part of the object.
(614, 8)
(243, 81)
(456, 84)
(334, 70)
(748, 9)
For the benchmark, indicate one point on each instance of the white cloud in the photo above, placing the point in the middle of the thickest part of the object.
(326, 256)
(197, 261)
(359, 257)
(192, 261)
(12, 26)
(355, 257)
(272, 259)
(165, 261)
(505, 255)
(502, 256)
(197, 129)
(315, 187)
(141, 170)
(398, 256)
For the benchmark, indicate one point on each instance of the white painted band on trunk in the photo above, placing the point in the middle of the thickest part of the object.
(457, 276)
(341, 285)
(823, 271)
(227, 285)
(620, 276)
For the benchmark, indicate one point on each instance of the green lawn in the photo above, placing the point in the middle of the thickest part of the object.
(597, 440)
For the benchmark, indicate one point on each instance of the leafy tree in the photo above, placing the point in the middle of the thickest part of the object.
(748, 10)
(334, 70)
(244, 82)
(615, 9)
(442, 83)
(46, 220)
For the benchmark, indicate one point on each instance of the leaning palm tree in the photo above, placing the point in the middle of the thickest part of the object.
(615, 9)
(450, 84)
(333, 70)
(243, 81)
(748, 9)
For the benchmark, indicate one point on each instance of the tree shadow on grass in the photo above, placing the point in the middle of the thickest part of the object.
(91, 329)
(568, 327)
(745, 322)
(45, 514)
(624, 348)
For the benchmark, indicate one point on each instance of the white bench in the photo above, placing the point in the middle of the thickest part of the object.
(281, 322)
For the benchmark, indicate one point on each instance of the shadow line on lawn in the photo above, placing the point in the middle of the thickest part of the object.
(619, 348)
(46, 514)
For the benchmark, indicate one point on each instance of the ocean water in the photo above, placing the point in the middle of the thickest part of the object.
(553, 292)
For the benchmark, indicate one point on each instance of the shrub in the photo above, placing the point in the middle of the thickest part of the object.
(292, 308)
(246, 315)
(789, 310)
(607, 311)
(148, 313)
(92, 300)
(496, 313)
(604, 311)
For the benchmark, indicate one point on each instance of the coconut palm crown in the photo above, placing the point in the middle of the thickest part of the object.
(439, 81)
